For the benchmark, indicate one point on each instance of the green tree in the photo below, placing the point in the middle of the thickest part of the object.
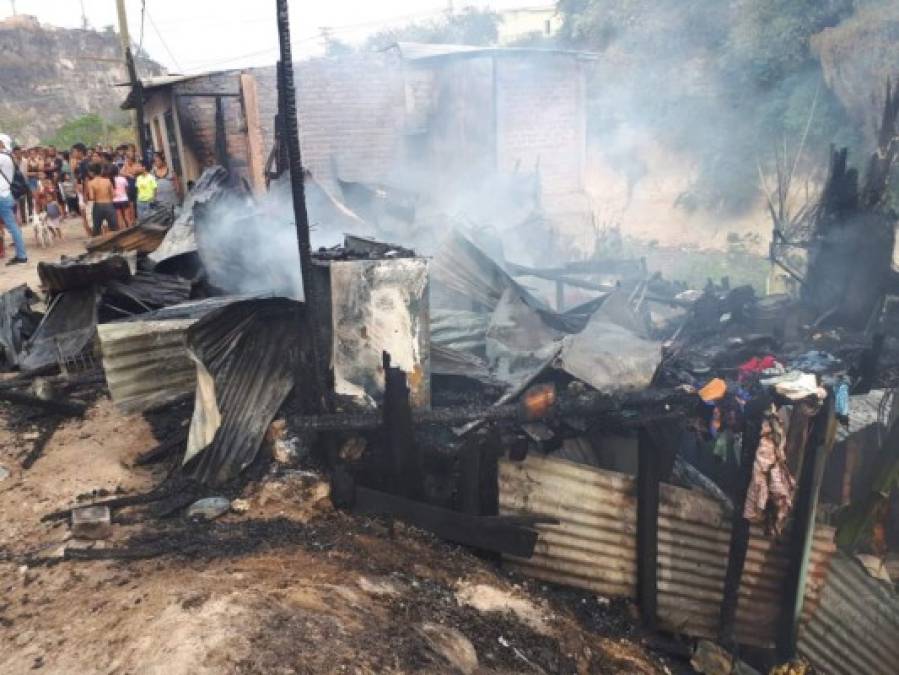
(471, 26)
(725, 82)
(90, 129)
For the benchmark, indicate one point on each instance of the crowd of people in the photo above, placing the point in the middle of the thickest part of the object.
(106, 188)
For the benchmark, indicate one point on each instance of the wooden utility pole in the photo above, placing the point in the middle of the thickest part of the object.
(317, 391)
(137, 114)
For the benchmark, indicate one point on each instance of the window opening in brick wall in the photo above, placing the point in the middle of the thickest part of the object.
(174, 156)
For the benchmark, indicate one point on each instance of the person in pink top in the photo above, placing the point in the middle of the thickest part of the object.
(120, 198)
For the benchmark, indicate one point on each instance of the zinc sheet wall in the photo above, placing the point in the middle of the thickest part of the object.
(146, 362)
(594, 547)
(855, 628)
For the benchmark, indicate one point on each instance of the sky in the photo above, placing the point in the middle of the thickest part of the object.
(195, 35)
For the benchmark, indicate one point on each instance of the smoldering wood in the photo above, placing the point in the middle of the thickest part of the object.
(403, 457)
(59, 406)
(163, 450)
(655, 459)
(25, 379)
(739, 534)
(626, 410)
(496, 534)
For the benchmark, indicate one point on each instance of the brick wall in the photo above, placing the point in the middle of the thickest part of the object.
(540, 116)
(197, 119)
(357, 111)
(351, 109)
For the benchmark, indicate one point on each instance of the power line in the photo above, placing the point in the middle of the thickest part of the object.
(143, 14)
(163, 42)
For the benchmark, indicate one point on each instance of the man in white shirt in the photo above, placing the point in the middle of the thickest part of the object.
(7, 171)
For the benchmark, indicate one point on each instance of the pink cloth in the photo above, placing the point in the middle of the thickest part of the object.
(770, 496)
(120, 189)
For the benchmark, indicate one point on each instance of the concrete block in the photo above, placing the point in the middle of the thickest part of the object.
(91, 522)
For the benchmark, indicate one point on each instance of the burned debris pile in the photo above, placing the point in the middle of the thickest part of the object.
(718, 458)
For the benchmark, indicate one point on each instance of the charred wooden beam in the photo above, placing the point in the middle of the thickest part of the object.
(496, 534)
(656, 452)
(60, 406)
(628, 411)
(648, 481)
(317, 395)
(405, 462)
(739, 534)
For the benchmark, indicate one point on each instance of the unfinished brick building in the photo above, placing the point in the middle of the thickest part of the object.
(447, 112)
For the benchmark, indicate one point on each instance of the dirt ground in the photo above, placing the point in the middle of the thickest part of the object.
(71, 244)
(288, 586)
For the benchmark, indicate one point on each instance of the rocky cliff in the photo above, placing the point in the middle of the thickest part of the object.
(51, 75)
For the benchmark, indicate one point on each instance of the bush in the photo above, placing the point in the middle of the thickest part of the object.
(90, 129)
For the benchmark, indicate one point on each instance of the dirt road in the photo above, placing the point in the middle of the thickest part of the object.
(72, 244)
(289, 586)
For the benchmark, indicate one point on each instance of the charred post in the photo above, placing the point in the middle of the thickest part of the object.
(739, 534)
(648, 479)
(317, 397)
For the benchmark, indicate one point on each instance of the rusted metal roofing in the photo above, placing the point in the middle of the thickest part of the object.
(146, 291)
(594, 547)
(66, 331)
(146, 362)
(85, 271)
(145, 358)
(17, 321)
(418, 51)
(246, 356)
(141, 238)
(855, 627)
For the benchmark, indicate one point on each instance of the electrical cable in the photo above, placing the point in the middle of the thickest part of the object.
(143, 14)
(163, 42)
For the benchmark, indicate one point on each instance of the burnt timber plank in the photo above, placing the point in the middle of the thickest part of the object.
(487, 533)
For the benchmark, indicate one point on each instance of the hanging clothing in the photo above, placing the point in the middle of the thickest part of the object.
(769, 499)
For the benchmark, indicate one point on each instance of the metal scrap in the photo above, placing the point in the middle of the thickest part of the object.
(246, 356)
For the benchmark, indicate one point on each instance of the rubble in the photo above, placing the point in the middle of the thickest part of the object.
(209, 508)
(657, 445)
(92, 522)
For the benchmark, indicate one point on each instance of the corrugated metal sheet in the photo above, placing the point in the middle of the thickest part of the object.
(855, 627)
(86, 271)
(66, 331)
(246, 356)
(145, 358)
(146, 291)
(146, 362)
(418, 51)
(144, 238)
(17, 321)
(594, 547)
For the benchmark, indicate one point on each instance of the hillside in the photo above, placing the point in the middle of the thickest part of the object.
(50, 75)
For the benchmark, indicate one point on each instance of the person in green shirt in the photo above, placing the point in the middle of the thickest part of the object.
(145, 183)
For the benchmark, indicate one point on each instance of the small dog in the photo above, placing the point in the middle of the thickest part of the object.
(43, 236)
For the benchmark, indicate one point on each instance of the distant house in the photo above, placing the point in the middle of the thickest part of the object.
(448, 111)
(524, 22)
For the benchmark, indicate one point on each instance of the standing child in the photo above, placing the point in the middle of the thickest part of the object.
(120, 197)
(70, 195)
(54, 218)
(146, 191)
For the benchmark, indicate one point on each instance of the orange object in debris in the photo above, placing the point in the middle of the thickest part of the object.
(713, 390)
(538, 401)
